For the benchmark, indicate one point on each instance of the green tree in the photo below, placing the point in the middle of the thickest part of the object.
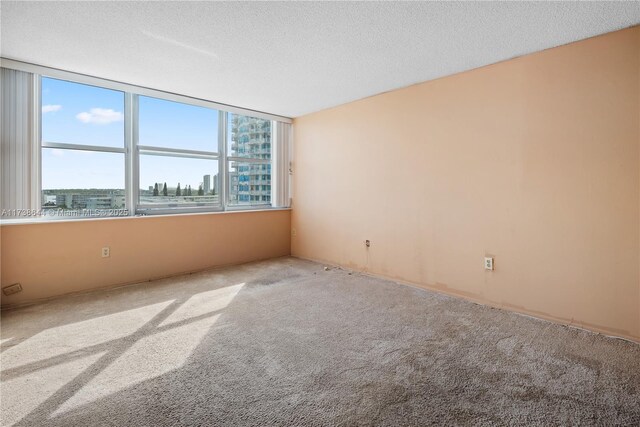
(200, 191)
(178, 191)
(189, 191)
(164, 190)
(155, 190)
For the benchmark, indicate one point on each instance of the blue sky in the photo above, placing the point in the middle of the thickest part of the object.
(81, 114)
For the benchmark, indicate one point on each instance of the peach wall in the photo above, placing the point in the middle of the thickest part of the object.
(534, 161)
(57, 258)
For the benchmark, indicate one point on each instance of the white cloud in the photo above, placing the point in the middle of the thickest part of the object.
(51, 108)
(100, 116)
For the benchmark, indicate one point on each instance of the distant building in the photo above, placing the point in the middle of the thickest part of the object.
(100, 202)
(89, 201)
(72, 201)
(206, 184)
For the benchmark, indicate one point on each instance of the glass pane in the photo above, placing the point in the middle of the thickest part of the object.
(80, 114)
(174, 125)
(82, 183)
(178, 181)
(249, 183)
(249, 137)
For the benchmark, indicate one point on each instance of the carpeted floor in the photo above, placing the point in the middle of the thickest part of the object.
(284, 342)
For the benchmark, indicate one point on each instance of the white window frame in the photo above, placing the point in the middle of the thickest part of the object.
(148, 150)
(80, 147)
(132, 150)
(240, 159)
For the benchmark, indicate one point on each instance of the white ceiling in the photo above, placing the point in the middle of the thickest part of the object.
(291, 58)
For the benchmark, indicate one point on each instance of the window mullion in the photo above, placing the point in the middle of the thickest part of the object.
(223, 164)
(147, 149)
(67, 146)
(248, 160)
(131, 153)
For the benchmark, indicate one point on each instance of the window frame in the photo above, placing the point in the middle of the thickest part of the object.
(149, 150)
(247, 159)
(79, 147)
(132, 150)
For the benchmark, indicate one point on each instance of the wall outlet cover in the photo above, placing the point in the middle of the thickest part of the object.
(12, 289)
(488, 263)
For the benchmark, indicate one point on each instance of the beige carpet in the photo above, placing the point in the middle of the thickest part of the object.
(284, 342)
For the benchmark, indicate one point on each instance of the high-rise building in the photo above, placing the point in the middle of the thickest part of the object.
(206, 184)
(250, 182)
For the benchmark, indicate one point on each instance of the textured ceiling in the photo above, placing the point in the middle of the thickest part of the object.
(291, 58)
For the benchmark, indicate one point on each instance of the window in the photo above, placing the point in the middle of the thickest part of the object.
(170, 124)
(83, 149)
(249, 157)
(75, 113)
(178, 155)
(178, 181)
(106, 152)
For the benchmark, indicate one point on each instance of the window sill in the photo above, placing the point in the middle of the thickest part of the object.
(51, 219)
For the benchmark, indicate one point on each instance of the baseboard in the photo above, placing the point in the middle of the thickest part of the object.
(572, 323)
(126, 284)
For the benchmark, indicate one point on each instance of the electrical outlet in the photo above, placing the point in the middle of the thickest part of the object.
(294, 233)
(12, 289)
(488, 263)
(106, 252)
(367, 243)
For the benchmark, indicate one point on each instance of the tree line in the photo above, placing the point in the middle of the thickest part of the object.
(180, 191)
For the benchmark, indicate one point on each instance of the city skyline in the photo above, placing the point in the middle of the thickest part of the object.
(206, 188)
